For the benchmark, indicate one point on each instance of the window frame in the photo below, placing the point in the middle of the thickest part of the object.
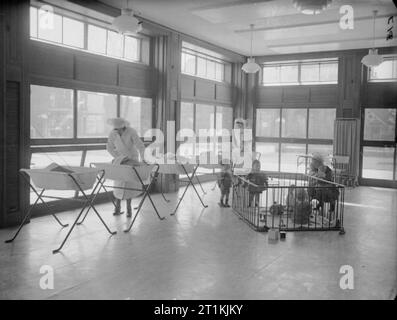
(392, 58)
(86, 25)
(75, 140)
(291, 140)
(207, 59)
(299, 64)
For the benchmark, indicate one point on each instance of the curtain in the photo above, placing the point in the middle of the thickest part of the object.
(347, 142)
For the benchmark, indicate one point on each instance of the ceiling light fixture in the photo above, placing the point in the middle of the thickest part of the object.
(251, 66)
(126, 23)
(372, 59)
(311, 6)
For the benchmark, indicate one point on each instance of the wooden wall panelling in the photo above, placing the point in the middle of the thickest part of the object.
(205, 90)
(269, 95)
(187, 87)
(223, 93)
(2, 118)
(48, 60)
(93, 69)
(296, 94)
(381, 94)
(324, 94)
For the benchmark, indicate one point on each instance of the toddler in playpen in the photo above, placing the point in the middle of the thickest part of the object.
(298, 204)
(259, 178)
(225, 184)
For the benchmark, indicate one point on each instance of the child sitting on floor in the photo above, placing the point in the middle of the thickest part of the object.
(259, 178)
(225, 183)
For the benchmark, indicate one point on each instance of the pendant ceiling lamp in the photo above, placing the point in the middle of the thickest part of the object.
(251, 66)
(372, 59)
(126, 23)
(311, 6)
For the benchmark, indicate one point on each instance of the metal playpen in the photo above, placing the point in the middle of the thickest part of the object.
(291, 202)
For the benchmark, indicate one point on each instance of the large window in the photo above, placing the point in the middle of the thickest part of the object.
(69, 126)
(303, 72)
(386, 71)
(282, 134)
(202, 65)
(55, 116)
(62, 30)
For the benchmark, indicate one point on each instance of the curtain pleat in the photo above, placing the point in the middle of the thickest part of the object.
(347, 142)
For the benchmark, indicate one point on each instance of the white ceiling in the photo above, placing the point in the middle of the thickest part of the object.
(279, 27)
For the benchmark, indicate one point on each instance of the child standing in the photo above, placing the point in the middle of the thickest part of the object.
(259, 179)
(225, 183)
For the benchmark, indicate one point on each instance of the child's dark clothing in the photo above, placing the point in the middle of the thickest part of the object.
(260, 180)
(225, 183)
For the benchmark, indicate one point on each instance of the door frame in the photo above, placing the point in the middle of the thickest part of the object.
(363, 143)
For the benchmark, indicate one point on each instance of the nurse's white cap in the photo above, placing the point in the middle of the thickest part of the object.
(118, 123)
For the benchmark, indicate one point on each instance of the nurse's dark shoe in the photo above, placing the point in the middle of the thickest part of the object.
(117, 208)
(129, 210)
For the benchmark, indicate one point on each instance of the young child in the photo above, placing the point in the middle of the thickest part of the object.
(259, 179)
(225, 183)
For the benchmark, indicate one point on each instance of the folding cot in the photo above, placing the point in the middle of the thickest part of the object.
(134, 178)
(171, 164)
(54, 177)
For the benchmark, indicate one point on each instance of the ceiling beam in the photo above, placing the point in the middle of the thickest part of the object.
(306, 24)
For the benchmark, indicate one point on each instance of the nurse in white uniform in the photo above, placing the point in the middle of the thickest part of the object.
(127, 148)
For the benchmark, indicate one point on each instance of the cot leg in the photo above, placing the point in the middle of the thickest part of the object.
(27, 215)
(192, 184)
(70, 230)
(39, 196)
(90, 200)
(202, 189)
(146, 192)
(161, 189)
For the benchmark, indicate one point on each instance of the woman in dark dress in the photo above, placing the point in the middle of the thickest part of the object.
(327, 191)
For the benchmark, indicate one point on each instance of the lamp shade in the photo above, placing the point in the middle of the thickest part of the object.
(126, 23)
(251, 66)
(372, 59)
(311, 6)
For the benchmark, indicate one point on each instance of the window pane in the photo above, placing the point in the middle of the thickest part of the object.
(187, 116)
(210, 69)
(131, 49)
(224, 119)
(289, 74)
(201, 67)
(204, 117)
(380, 124)
(321, 123)
(310, 72)
(41, 160)
(33, 22)
(329, 72)
(220, 71)
(378, 163)
(324, 150)
(293, 123)
(269, 155)
(271, 74)
(115, 44)
(51, 112)
(289, 155)
(189, 64)
(50, 26)
(268, 123)
(138, 111)
(93, 110)
(73, 33)
(96, 39)
(97, 156)
(386, 70)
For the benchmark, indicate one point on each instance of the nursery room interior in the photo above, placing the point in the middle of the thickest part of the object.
(198, 150)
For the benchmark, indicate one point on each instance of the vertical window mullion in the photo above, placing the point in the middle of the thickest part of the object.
(75, 113)
(118, 105)
(279, 140)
